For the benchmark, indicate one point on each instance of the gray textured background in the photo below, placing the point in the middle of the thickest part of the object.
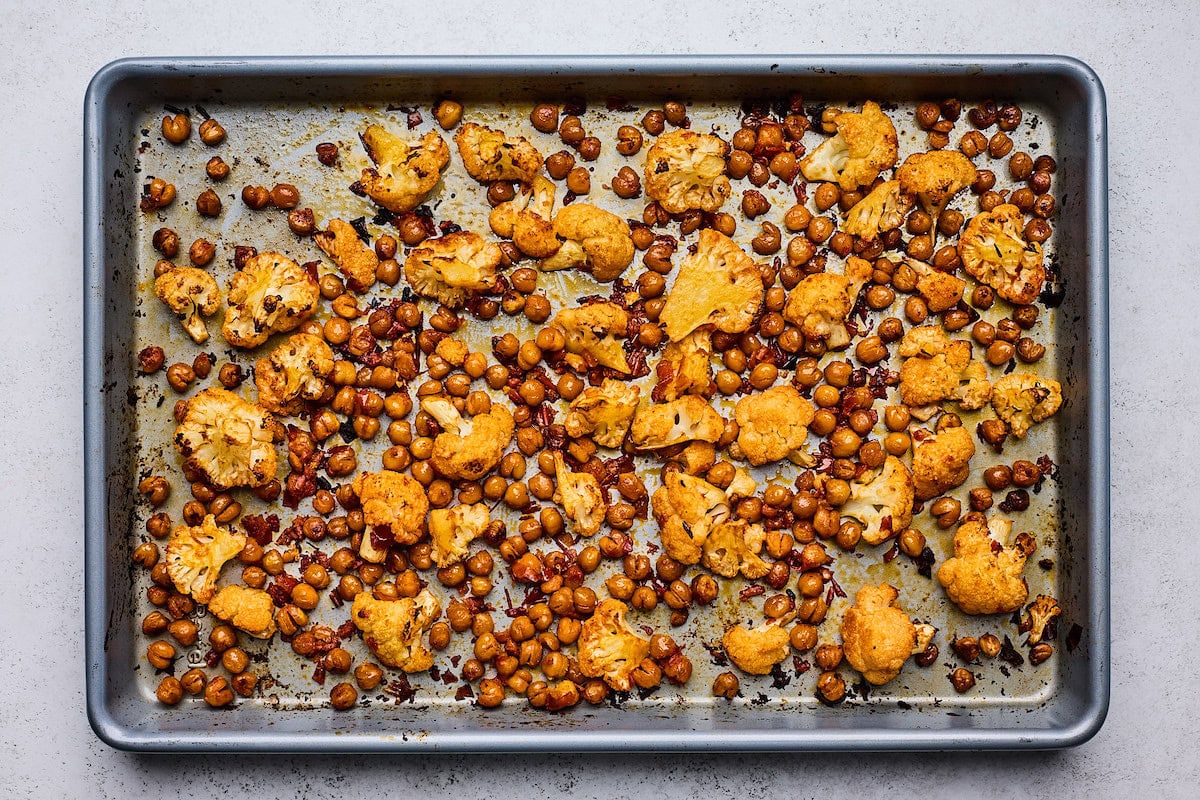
(1146, 54)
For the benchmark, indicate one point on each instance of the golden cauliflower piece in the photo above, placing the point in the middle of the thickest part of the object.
(453, 350)
(938, 368)
(249, 610)
(294, 372)
(608, 649)
(581, 497)
(489, 155)
(451, 530)
(686, 170)
(687, 508)
(353, 256)
(718, 285)
(404, 174)
(394, 501)
(773, 424)
(935, 177)
(593, 240)
(1038, 614)
(193, 295)
(393, 628)
(605, 412)
(527, 219)
(864, 145)
(942, 462)
(993, 250)
(449, 268)
(940, 290)
(227, 440)
(820, 304)
(881, 210)
(468, 449)
(732, 547)
(685, 368)
(877, 636)
(195, 555)
(592, 331)
(984, 576)
(1023, 399)
(756, 650)
(881, 501)
(271, 294)
(688, 419)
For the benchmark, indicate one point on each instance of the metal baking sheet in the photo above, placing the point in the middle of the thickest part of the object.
(277, 109)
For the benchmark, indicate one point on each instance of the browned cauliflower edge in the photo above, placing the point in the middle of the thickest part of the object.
(984, 575)
(942, 462)
(270, 294)
(881, 501)
(820, 303)
(1023, 399)
(192, 294)
(604, 412)
(394, 501)
(353, 256)
(581, 497)
(756, 650)
(686, 170)
(773, 424)
(249, 610)
(227, 440)
(938, 368)
(593, 240)
(865, 144)
(994, 251)
(592, 332)
(448, 269)
(295, 371)
(468, 449)
(393, 628)
(690, 418)
(491, 155)
(404, 174)
(451, 531)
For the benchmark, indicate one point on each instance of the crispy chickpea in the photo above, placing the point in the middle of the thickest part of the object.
(448, 113)
(201, 252)
(208, 204)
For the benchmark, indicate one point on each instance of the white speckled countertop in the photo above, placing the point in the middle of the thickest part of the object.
(1144, 51)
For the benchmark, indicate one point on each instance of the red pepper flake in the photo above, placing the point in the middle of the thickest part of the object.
(346, 630)
(212, 658)
(1073, 637)
(261, 528)
(280, 589)
(801, 665)
(892, 552)
(836, 587)
(465, 692)
(752, 591)
(319, 675)
(615, 103)
(401, 689)
(414, 119)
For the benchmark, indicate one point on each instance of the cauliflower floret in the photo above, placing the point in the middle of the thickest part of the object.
(608, 649)
(719, 284)
(193, 295)
(864, 146)
(227, 440)
(773, 424)
(581, 497)
(1023, 399)
(938, 368)
(353, 256)
(604, 411)
(593, 239)
(1038, 614)
(452, 529)
(490, 155)
(449, 268)
(527, 219)
(881, 501)
(593, 330)
(820, 304)
(935, 177)
(249, 610)
(404, 174)
(732, 547)
(881, 210)
(993, 250)
(686, 170)
(294, 372)
(942, 462)
(757, 650)
(688, 419)
(984, 575)
(271, 294)
(455, 351)
(685, 368)
(940, 290)
(195, 555)
(394, 501)
(877, 636)
(393, 628)
(468, 449)
(687, 508)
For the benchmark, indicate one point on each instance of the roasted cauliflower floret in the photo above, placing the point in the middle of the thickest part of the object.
(193, 295)
(394, 501)
(688, 419)
(942, 462)
(271, 294)
(686, 509)
(490, 155)
(295, 371)
(1023, 400)
(195, 555)
(772, 425)
(881, 501)
(820, 304)
(249, 610)
(528, 219)
(935, 177)
(984, 575)
(353, 256)
(593, 240)
(732, 547)
(718, 285)
(451, 530)
(881, 210)
(993, 250)
(864, 145)
(468, 449)
(581, 497)
(1038, 615)
(940, 290)
(608, 648)
(404, 174)
(592, 331)
(393, 628)
(449, 268)
(227, 440)
(686, 170)
(938, 368)
(756, 650)
(605, 412)
(877, 636)
(685, 368)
